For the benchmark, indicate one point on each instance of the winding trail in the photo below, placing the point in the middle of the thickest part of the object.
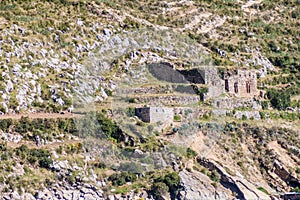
(40, 115)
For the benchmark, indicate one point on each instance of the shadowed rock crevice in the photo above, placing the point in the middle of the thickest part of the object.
(164, 71)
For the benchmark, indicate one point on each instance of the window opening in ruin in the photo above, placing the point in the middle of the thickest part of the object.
(248, 87)
(236, 89)
(226, 86)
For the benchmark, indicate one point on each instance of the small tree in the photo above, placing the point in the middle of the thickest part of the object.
(45, 162)
(159, 190)
(279, 99)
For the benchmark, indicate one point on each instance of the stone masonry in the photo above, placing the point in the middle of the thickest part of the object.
(242, 83)
(155, 114)
(215, 84)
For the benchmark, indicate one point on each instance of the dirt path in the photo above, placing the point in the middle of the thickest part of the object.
(32, 145)
(39, 115)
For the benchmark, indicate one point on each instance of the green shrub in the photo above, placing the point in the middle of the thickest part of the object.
(214, 176)
(263, 190)
(140, 123)
(177, 118)
(42, 156)
(279, 99)
(159, 189)
(3, 146)
(131, 100)
(45, 162)
(100, 165)
(298, 170)
(130, 112)
(171, 180)
(296, 189)
(262, 115)
(150, 128)
(190, 153)
(244, 117)
(206, 116)
(264, 105)
(108, 92)
(109, 127)
(122, 178)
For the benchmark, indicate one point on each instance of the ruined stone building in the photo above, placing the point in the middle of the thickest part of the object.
(240, 83)
(155, 114)
(243, 83)
(215, 84)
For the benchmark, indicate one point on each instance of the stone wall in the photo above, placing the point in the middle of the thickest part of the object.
(231, 103)
(193, 76)
(169, 100)
(214, 82)
(161, 114)
(161, 89)
(190, 113)
(145, 90)
(248, 114)
(238, 114)
(143, 114)
(155, 114)
(166, 114)
(185, 89)
(165, 72)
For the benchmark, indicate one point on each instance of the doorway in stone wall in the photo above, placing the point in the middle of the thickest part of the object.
(226, 86)
(248, 89)
(236, 87)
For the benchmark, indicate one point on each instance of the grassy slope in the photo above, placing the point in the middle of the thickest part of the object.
(275, 28)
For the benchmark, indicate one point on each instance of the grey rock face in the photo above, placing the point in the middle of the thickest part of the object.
(235, 183)
(11, 137)
(198, 186)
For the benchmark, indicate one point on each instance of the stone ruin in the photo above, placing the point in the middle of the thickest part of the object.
(243, 83)
(239, 83)
(239, 86)
(155, 114)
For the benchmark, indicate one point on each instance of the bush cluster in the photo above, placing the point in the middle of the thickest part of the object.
(279, 99)
(119, 179)
(34, 156)
(167, 183)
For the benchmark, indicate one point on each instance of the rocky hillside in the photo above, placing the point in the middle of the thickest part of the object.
(73, 72)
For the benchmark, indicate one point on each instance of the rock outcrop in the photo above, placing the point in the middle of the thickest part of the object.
(198, 186)
(238, 184)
